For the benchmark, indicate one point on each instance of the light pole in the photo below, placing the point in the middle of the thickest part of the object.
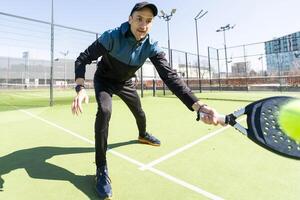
(65, 55)
(223, 29)
(199, 16)
(167, 18)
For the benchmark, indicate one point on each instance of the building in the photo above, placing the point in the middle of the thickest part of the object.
(22, 70)
(192, 71)
(282, 53)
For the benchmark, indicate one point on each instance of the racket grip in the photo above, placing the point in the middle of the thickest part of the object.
(221, 119)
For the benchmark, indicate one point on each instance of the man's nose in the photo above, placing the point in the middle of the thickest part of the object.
(143, 25)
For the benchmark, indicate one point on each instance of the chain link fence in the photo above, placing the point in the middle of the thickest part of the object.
(25, 52)
(25, 61)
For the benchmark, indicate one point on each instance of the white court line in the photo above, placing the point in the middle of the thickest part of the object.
(185, 147)
(19, 96)
(156, 171)
(80, 137)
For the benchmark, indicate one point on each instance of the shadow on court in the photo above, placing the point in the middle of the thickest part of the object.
(119, 144)
(33, 160)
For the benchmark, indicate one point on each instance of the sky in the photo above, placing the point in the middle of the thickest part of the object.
(254, 20)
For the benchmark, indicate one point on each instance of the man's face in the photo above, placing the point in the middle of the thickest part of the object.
(141, 22)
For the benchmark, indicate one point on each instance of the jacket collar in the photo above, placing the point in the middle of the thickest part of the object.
(125, 27)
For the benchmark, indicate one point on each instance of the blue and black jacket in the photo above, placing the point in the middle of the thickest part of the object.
(122, 55)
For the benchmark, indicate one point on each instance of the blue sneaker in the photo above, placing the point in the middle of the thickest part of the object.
(103, 183)
(149, 139)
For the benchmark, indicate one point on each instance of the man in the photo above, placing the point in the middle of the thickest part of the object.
(124, 50)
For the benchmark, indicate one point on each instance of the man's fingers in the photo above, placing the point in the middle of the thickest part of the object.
(79, 106)
(77, 103)
(210, 118)
(73, 107)
(86, 99)
(215, 121)
(206, 119)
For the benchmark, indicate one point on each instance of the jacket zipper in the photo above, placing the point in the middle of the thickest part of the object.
(132, 50)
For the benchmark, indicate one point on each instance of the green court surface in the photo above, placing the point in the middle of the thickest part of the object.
(47, 153)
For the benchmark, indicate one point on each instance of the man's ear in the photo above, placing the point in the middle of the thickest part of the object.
(130, 19)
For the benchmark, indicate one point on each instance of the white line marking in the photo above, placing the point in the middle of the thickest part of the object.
(181, 149)
(185, 147)
(185, 184)
(156, 171)
(57, 126)
(19, 96)
(81, 137)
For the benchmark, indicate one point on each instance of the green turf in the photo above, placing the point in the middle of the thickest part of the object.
(40, 160)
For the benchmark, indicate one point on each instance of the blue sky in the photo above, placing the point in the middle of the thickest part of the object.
(256, 20)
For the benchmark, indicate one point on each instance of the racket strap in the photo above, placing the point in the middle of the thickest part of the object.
(230, 119)
(199, 112)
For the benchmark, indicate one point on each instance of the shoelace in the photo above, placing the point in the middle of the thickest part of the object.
(106, 176)
(150, 137)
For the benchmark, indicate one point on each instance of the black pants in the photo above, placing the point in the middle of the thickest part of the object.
(104, 91)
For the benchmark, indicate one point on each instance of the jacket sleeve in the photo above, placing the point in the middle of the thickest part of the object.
(102, 45)
(172, 80)
(93, 52)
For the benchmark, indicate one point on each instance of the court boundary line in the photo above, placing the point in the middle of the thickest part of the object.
(131, 160)
(185, 147)
(181, 149)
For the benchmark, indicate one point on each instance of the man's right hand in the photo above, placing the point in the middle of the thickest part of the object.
(77, 102)
(210, 115)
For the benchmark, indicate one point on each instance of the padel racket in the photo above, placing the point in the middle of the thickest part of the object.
(263, 126)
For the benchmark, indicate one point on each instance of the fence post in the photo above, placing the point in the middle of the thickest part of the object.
(199, 73)
(218, 58)
(154, 87)
(246, 70)
(279, 63)
(186, 69)
(52, 56)
(209, 68)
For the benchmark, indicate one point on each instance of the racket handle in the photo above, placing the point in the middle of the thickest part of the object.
(221, 119)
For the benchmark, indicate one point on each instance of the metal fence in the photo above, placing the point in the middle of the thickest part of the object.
(25, 61)
(253, 67)
(25, 52)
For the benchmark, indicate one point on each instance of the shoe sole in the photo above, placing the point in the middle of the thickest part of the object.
(147, 142)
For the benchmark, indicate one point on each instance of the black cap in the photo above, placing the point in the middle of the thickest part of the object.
(144, 4)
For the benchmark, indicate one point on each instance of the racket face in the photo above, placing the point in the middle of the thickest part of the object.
(264, 129)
